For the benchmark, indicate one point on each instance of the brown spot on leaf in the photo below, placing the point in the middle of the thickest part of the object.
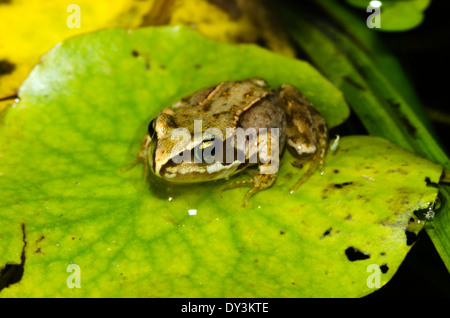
(12, 273)
(326, 233)
(297, 164)
(6, 67)
(430, 183)
(39, 251)
(397, 171)
(411, 237)
(354, 254)
(341, 185)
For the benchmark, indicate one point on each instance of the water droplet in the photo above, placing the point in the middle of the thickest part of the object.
(375, 4)
(335, 143)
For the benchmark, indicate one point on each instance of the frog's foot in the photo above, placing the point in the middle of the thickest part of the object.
(257, 183)
(316, 164)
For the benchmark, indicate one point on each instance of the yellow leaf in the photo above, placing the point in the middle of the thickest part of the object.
(30, 28)
(245, 21)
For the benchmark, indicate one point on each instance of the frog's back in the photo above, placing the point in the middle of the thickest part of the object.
(220, 106)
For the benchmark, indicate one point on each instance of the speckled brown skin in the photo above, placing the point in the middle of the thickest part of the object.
(231, 105)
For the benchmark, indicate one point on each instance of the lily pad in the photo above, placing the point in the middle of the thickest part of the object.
(68, 216)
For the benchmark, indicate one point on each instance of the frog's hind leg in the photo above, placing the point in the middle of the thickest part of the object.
(306, 130)
(321, 144)
(317, 162)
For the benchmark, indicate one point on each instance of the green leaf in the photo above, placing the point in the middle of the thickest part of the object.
(81, 116)
(397, 15)
(376, 89)
(379, 53)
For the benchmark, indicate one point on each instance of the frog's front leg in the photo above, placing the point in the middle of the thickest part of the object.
(258, 183)
(141, 157)
(267, 154)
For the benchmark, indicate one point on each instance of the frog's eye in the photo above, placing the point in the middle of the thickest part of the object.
(151, 128)
(205, 152)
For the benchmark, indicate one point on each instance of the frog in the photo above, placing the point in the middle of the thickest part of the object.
(227, 107)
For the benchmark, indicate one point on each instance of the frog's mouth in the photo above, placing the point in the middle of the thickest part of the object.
(199, 172)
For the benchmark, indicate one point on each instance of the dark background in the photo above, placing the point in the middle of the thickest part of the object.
(424, 53)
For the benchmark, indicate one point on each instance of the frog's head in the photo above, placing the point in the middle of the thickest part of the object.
(182, 154)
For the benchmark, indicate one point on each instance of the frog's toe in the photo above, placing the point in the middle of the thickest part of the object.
(249, 194)
(257, 183)
(251, 182)
(130, 165)
(312, 168)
